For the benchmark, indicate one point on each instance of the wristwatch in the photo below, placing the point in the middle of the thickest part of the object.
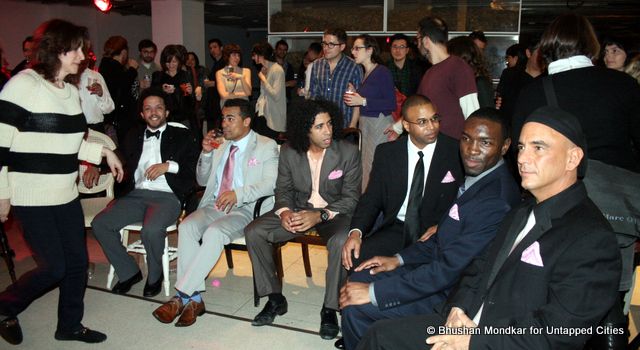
(324, 215)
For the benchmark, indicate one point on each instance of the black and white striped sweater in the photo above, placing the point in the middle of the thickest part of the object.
(41, 140)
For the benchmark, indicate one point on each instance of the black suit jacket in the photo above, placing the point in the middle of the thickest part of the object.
(388, 185)
(574, 283)
(178, 145)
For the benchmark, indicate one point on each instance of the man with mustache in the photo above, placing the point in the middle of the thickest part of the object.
(318, 186)
(160, 168)
(420, 276)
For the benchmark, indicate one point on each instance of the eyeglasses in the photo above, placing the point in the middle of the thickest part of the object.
(398, 47)
(358, 48)
(422, 122)
(329, 45)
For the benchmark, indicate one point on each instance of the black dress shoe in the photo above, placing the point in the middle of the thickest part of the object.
(123, 287)
(328, 324)
(269, 313)
(153, 289)
(10, 330)
(339, 344)
(84, 335)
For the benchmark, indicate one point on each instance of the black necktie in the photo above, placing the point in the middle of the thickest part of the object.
(148, 133)
(412, 216)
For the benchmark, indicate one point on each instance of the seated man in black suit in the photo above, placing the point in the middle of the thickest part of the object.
(409, 207)
(553, 267)
(419, 277)
(318, 186)
(160, 167)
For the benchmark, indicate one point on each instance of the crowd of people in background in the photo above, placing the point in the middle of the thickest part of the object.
(431, 126)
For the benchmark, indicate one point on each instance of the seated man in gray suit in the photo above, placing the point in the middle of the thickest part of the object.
(237, 170)
(318, 185)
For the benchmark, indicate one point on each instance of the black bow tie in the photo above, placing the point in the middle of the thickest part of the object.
(148, 133)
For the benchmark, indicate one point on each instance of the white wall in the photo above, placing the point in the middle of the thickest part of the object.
(19, 19)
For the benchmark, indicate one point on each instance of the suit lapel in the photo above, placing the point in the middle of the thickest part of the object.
(301, 161)
(513, 229)
(166, 143)
(248, 153)
(329, 163)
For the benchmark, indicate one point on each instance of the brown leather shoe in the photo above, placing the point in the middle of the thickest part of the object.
(168, 311)
(191, 311)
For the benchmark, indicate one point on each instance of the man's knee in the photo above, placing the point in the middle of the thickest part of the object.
(255, 233)
(336, 242)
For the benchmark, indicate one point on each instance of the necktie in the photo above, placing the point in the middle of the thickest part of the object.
(412, 216)
(148, 133)
(227, 174)
(461, 190)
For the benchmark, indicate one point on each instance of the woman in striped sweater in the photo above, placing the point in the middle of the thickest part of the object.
(41, 140)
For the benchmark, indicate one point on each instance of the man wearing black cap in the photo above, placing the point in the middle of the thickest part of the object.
(550, 275)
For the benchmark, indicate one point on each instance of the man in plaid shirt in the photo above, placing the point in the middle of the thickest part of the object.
(331, 74)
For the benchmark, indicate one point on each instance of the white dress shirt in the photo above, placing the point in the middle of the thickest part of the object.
(150, 156)
(94, 107)
(412, 150)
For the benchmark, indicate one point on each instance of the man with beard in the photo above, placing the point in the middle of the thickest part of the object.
(450, 82)
(318, 186)
(147, 65)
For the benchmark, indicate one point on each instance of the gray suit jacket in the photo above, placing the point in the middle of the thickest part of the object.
(260, 166)
(340, 178)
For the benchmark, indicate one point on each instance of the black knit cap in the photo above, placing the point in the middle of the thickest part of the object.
(566, 124)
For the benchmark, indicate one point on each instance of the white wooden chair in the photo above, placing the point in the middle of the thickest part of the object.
(92, 206)
(170, 253)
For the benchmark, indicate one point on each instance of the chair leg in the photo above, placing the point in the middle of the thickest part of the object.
(305, 259)
(165, 266)
(227, 254)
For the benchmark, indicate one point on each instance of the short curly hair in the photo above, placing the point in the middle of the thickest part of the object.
(300, 119)
(53, 38)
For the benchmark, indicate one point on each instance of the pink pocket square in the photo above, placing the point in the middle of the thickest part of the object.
(453, 213)
(448, 178)
(336, 174)
(252, 162)
(531, 255)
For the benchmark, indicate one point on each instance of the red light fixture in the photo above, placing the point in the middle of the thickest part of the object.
(103, 5)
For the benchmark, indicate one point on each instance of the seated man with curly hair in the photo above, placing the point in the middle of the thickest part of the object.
(318, 186)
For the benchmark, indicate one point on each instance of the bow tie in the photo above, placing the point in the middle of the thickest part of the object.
(148, 133)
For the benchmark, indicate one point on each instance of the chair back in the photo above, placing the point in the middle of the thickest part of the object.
(350, 133)
(106, 181)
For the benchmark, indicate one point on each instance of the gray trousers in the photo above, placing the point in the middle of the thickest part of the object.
(266, 230)
(215, 229)
(156, 210)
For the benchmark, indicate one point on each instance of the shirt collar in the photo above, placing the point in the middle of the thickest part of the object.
(413, 149)
(242, 143)
(162, 128)
(565, 64)
(471, 180)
